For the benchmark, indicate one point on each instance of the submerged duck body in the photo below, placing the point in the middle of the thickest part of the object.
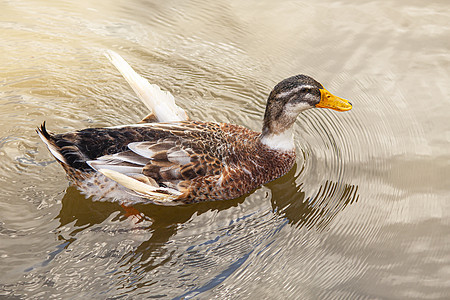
(183, 161)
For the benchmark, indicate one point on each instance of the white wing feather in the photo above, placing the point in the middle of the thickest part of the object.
(161, 103)
(162, 195)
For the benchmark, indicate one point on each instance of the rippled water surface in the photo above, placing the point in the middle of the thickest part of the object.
(363, 214)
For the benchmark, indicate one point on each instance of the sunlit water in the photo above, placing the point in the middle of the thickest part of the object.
(363, 214)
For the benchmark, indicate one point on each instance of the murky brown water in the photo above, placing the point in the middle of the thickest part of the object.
(363, 214)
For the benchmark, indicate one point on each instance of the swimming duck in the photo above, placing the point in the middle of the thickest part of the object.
(168, 159)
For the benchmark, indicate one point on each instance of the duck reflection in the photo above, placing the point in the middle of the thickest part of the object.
(164, 220)
(288, 201)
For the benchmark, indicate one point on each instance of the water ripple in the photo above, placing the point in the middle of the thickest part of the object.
(363, 213)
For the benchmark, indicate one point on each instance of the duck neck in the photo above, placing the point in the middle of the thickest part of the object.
(278, 140)
(279, 119)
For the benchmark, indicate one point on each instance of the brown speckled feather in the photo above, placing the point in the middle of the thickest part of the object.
(201, 160)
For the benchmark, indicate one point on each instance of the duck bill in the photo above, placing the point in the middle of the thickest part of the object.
(328, 100)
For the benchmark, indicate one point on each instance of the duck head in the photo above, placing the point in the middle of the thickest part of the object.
(286, 101)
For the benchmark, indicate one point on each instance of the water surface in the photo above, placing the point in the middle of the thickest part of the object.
(364, 213)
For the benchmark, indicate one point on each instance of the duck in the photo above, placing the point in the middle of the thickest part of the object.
(169, 159)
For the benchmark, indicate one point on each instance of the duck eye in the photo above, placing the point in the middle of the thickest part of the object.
(311, 91)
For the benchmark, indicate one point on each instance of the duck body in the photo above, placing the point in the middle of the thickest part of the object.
(190, 161)
(168, 159)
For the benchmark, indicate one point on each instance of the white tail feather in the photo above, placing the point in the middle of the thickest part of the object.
(53, 150)
(161, 103)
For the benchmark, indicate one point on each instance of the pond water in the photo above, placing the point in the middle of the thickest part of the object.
(363, 214)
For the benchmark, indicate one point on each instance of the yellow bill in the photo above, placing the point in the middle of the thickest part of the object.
(328, 100)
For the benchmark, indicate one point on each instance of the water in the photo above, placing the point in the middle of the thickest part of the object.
(363, 214)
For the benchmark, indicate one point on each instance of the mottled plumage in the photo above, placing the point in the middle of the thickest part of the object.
(183, 161)
(203, 161)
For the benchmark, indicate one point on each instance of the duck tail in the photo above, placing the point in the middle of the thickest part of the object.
(161, 103)
(65, 149)
(49, 141)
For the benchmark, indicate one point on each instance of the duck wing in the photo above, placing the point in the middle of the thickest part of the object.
(163, 169)
(161, 103)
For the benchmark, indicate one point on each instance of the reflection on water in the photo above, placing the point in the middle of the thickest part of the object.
(289, 201)
(363, 214)
(217, 250)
